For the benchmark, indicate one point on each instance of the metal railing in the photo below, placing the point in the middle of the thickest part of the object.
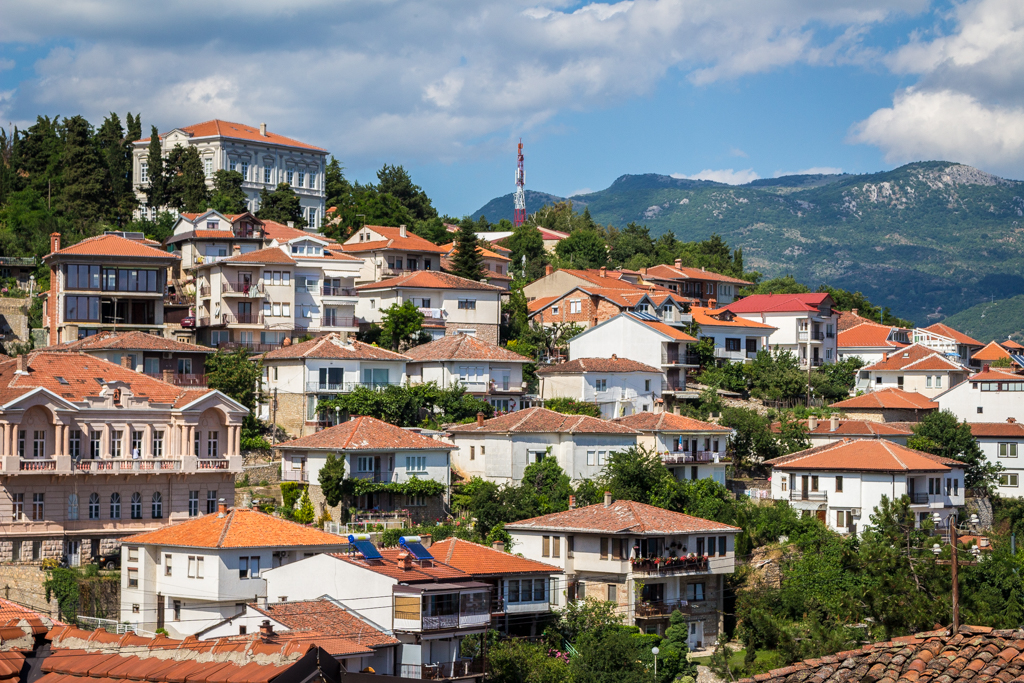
(439, 621)
(816, 496)
(442, 670)
(255, 347)
(250, 288)
(181, 380)
(377, 477)
(344, 387)
(17, 261)
(294, 475)
(241, 318)
(330, 290)
(672, 386)
(687, 457)
(658, 609)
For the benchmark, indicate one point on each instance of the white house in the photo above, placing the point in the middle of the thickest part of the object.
(392, 252)
(992, 395)
(212, 235)
(843, 482)
(488, 371)
(189, 576)
(378, 452)
(870, 341)
(619, 386)
(736, 339)
(499, 449)
(952, 343)
(887, 405)
(806, 323)
(1001, 442)
(821, 432)
(691, 449)
(914, 368)
(450, 304)
(647, 560)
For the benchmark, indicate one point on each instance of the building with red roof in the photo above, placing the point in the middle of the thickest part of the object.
(736, 339)
(992, 395)
(870, 341)
(952, 343)
(391, 252)
(173, 361)
(710, 289)
(994, 352)
(805, 324)
(497, 266)
(821, 432)
(590, 305)
(607, 549)
(691, 449)
(619, 386)
(916, 368)
(887, 405)
(1001, 444)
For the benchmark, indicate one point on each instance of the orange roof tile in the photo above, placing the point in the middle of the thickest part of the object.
(428, 279)
(610, 279)
(130, 341)
(282, 233)
(366, 434)
(324, 616)
(864, 455)
(334, 345)
(671, 272)
(267, 255)
(1010, 344)
(947, 331)
(393, 240)
(541, 421)
(488, 274)
(991, 352)
(848, 319)
(667, 330)
(621, 517)
(778, 303)
(868, 335)
(915, 357)
(217, 128)
(387, 565)
(479, 560)
(113, 245)
(891, 398)
(450, 249)
(613, 364)
(668, 422)
(996, 375)
(540, 303)
(997, 429)
(239, 528)
(703, 316)
(463, 347)
(852, 428)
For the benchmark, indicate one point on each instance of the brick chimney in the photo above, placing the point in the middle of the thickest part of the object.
(607, 499)
(404, 561)
(812, 423)
(679, 263)
(126, 362)
(499, 546)
(1011, 420)
(22, 365)
(236, 249)
(572, 502)
(401, 231)
(287, 341)
(479, 419)
(168, 376)
(985, 367)
(222, 509)
(853, 310)
(54, 242)
(833, 423)
(548, 269)
(266, 629)
(263, 129)
(604, 271)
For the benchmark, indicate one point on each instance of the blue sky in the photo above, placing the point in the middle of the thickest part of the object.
(721, 89)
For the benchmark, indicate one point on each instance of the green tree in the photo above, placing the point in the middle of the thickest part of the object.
(228, 196)
(337, 188)
(236, 375)
(187, 180)
(85, 196)
(754, 441)
(155, 188)
(954, 440)
(305, 514)
(115, 146)
(776, 376)
(635, 241)
(780, 285)
(331, 478)
(834, 381)
(400, 325)
(517, 661)
(528, 254)
(673, 660)
(583, 249)
(638, 474)
(610, 656)
(571, 406)
(467, 261)
(281, 205)
(792, 434)
(515, 321)
(395, 181)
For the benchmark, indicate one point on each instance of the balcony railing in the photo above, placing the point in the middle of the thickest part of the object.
(377, 477)
(442, 670)
(669, 565)
(330, 290)
(332, 321)
(814, 496)
(65, 464)
(440, 621)
(253, 289)
(255, 347)
(181, 380)
(203, 321)
(241, 318)
(661, 609)
(38, 465)
(294, 475)
(345, 387)
(672, 386)
(17, 261)
(685, 457)
(204, 290)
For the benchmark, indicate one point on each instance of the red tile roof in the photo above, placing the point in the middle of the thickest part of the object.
(282, 233)
(239, 131)
(703, 316)
(668, 422)
(336, 346)
(670, 272)
(267, 255)
(996, 375)
(387, 565)
(997, 429)
(868, 335)
(541, 302)
(1010, 344)
(863, 455)
(428, 279)
(542, 421)
(239, 528)
(463, 347)
(324, 616)
(852, 428)
(891, 398)
(366, 434)
(18, 614)
(130, 341)
(779, 303)
(549, 234)
(848, 319)
(613, 364)
(621, 517)
(992, 351)
(488, 274)
(610, 280)
(915, 357)
(113, 245)
(487, 253)
(393, 240)
(480, 560)
(955, 335)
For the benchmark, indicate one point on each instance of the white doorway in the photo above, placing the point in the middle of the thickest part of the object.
(72, 550)
(696, 639)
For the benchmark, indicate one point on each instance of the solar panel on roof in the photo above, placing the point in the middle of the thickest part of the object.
(413, 545)
(1017, 358)
(361, 542)
(646, 316)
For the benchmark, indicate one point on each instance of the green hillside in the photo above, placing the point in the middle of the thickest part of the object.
(992, 320)
(928, 239)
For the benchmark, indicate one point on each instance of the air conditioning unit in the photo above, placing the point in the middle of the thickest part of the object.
(166, 355)
(855, 512)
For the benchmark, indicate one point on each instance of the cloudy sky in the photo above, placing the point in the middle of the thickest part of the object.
(728, 90)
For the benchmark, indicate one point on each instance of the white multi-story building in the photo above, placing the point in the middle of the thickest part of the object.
(1000, 442)
(619, 386)
(690, 449)
(914, 368)
(706, 287)
(805, 324)
(736, 339)
(263, 158)
(843, 482)
(391, 252)
(647, 561)
(951, 343)
(821, 432)
(992, 395)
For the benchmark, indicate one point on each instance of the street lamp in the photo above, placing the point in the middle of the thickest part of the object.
(655, 651)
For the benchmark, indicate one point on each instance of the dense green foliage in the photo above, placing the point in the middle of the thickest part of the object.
(331, 476)
(467, 261)
(409, 406)
(998, 319)
(282, 205)
(572, 406)
(940, 433)
(400, 326)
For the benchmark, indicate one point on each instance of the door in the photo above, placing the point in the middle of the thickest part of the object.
(245, 282)
(159, 611)
(803, 486)
(821, 516)
(696, 639)
(72, 549)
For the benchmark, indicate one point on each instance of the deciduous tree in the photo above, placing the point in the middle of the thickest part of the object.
(281, 205)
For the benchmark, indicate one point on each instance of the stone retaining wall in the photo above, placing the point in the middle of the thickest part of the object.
(23, 583)
(270, 472)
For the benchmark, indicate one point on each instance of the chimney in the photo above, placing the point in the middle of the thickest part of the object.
(401, 231)
(168, 376)
(604, 271)
(679, 263)
(266, 629)
(126, 362)
(607, 499)
(291, 224)
(426, 540)
(572, 502)
(812, 423)
(480, 419)
(263, 129)
(499, 546)
(54, 242)
(833, 423)
(985, 367)
(287, 341)
(1011, 420)
(236, 249)
(22, 365)
(885, 357)
(615, 356)
(548, 269)
(404, 561)
(853, 310)
(222, 508)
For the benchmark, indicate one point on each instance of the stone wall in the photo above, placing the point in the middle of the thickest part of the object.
(23, 583)
(13, 320)
(269, 472)
(484, 331)
(291, 414)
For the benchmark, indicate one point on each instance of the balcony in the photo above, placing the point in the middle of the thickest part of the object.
(935, 500)
(380, 476)
(670, 565)
(65, 464)
(242, 288)
(345, 387)
(294, 475)
(204, 290)
(230, 318)
(330, 290)
(443, 670)
(664, 609)
(180, 380)
(253, 347)
(680, 359)
(17, 261)
(692, 458)
(815, 336)
(812, 496)
(730, 354)
(328, 322)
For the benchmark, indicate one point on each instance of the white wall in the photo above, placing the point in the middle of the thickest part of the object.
(917, 381)
(505, 458)
(1011, 465)
(627, 393)
(968, 402)
(624, 337)
(487, 311)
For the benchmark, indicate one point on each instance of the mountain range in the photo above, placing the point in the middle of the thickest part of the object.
(928, 239)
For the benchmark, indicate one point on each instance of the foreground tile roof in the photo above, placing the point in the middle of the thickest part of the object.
(324, 616)
(367, 434)
(891, 398)
(130, 341)
(867, 335)
(853, 428)
(480, 560)
(914, 357)
(418, 572)
(541, 421)
(238, 528)
(668, 422)
(976, 653)
(621, 517)
(864, 455)
(992, 351)
(955, 335)
(463, 347)
(334, 345)
(12, 613)
(113, 245)
(613, 364)
(429, 279)
(996, 375)
(217, 128)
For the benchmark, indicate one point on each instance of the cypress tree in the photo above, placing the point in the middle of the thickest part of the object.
(36, 156)
(467, 261)
(228, 195)
(156, 187)
(84, 198)
(281, 205)
(191, 180)
(115, 146)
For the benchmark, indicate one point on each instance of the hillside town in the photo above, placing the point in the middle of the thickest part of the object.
(271, 443)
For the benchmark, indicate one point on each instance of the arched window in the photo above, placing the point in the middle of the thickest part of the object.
(115, 506)
(136, 505)
(94, 506)
(72, 506)
(158, 505)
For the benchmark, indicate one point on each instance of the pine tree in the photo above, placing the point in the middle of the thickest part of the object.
(84, 198)
(156, 189)
(467, 261)
(305, 514)
(190, 181)
(36, 155)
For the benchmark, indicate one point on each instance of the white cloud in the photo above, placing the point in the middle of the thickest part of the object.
(6, 64)
(724, 175)
(737, 152)
(813, 170)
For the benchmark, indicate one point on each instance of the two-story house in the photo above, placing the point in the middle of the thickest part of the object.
(691, 449)
(500, 449)
(735, 339)
(189, 576)
(992, 395)
(915, 368)
(870, 342)
(264, 159)
(952, 343)
(646, 560)
(91, 451)
(843, 482)
(805, 323)
(590, 306)
(995, 352)
(390, 252)
(887, 405)
(450, 304)
(488, 371)
(697, 283)
(429, 606)
(159, 357)
(378, 452)
(496, 265)
(114, 281)
(821, 432)
(298, 376)
(1000, 443)
(212, 236)
(619, 386)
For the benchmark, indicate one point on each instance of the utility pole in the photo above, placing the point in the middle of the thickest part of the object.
(954, 565)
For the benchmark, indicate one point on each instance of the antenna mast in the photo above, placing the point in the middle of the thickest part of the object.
(520, 197)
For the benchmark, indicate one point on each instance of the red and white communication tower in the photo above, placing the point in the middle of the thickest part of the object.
(520, 197)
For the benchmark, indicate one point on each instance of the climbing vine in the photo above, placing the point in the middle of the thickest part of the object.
(413, 487)
(63, 583)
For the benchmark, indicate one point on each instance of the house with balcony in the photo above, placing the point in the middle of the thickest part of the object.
(212, 236)
(647, 561)
(407, 592)
(841, 483)
(644, 339)
(914, 368)
(870, 341)
(114, 281)
(887, 405)
(192, 575)
(380, 453)
(298, 376)
(450, 304)
(805, 323)
(736, 339)
(391, 252)
(91, 451)
(325, 295)
(1000, 443)
(689, 448)
(490, 372)
(501, 448)
(496, 265)
(590, 306)
(992, 395)
(821, 432)
(709, 289)
(619, 386)
(951, 343)
(161, 358)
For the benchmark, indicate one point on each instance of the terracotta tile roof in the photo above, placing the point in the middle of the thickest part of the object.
(610, 280)
(337, 646)
(282, 233)
(667, 272)
(463, 347)
(889, 398)
(668, 422)
(130, 341)
(336, 346)
(868, 335)
(1010, 344)
(429, 279)
(239, 528)
(549, 234)
(848, 319)
(267, 255)
(853, 428)
(480, 560)
(915, 357)
(542, 421)
(393, 240)
(621, 517)
(217, 128)
(702, 316)
(13, 614)
(779, 303)
(864, 455)
(955, 335)
(12, 662)
(487, 253)
(667, 330)
(976, 653)
(488, 274)
(613, 364)
(992, 351)
(540, 303)
(324, 616)
(388, 566)
(366, 434)
(997, 429)
(113, 245)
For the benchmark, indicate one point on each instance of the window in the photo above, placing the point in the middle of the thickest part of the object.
(266, 174)
(732, 344)
(158, 445)
(136, 507)
(245, 170)
(243, 568)
(136, 443)
(613, 593)
(198, 440)
(467, 304)
(37, 506)
(211, 502)
(158, 505)
(94, 506)
(814, 483)
(601, 385)
(600, 458)
(415, 463)
(195, 566)
(938, 381)
(289, 177)
(878, 379)
(133, 577)
(841, 519)
(144, 172)
(554, 310)
(167, 565)
(364, 463)
(76, 444)
(928, 382)
(570, 544)
(133, 554)
(647, 385)
(286, 309)
(302, 178)
(72, 506)
(208, 167)
(575, 306)
(276, 309)
(1008, 450)
(176, 610)
(591, 455)
(556, 546)
(546, 546)
(312, 181)
(94, 445)
(21, 443)
(115, 443)
(1008, 480)
(38, 443)
(211, 444)
(472, 452)
(604, 548)
(513, 590)
(721, 546)
(839, 484)
(695, 592)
